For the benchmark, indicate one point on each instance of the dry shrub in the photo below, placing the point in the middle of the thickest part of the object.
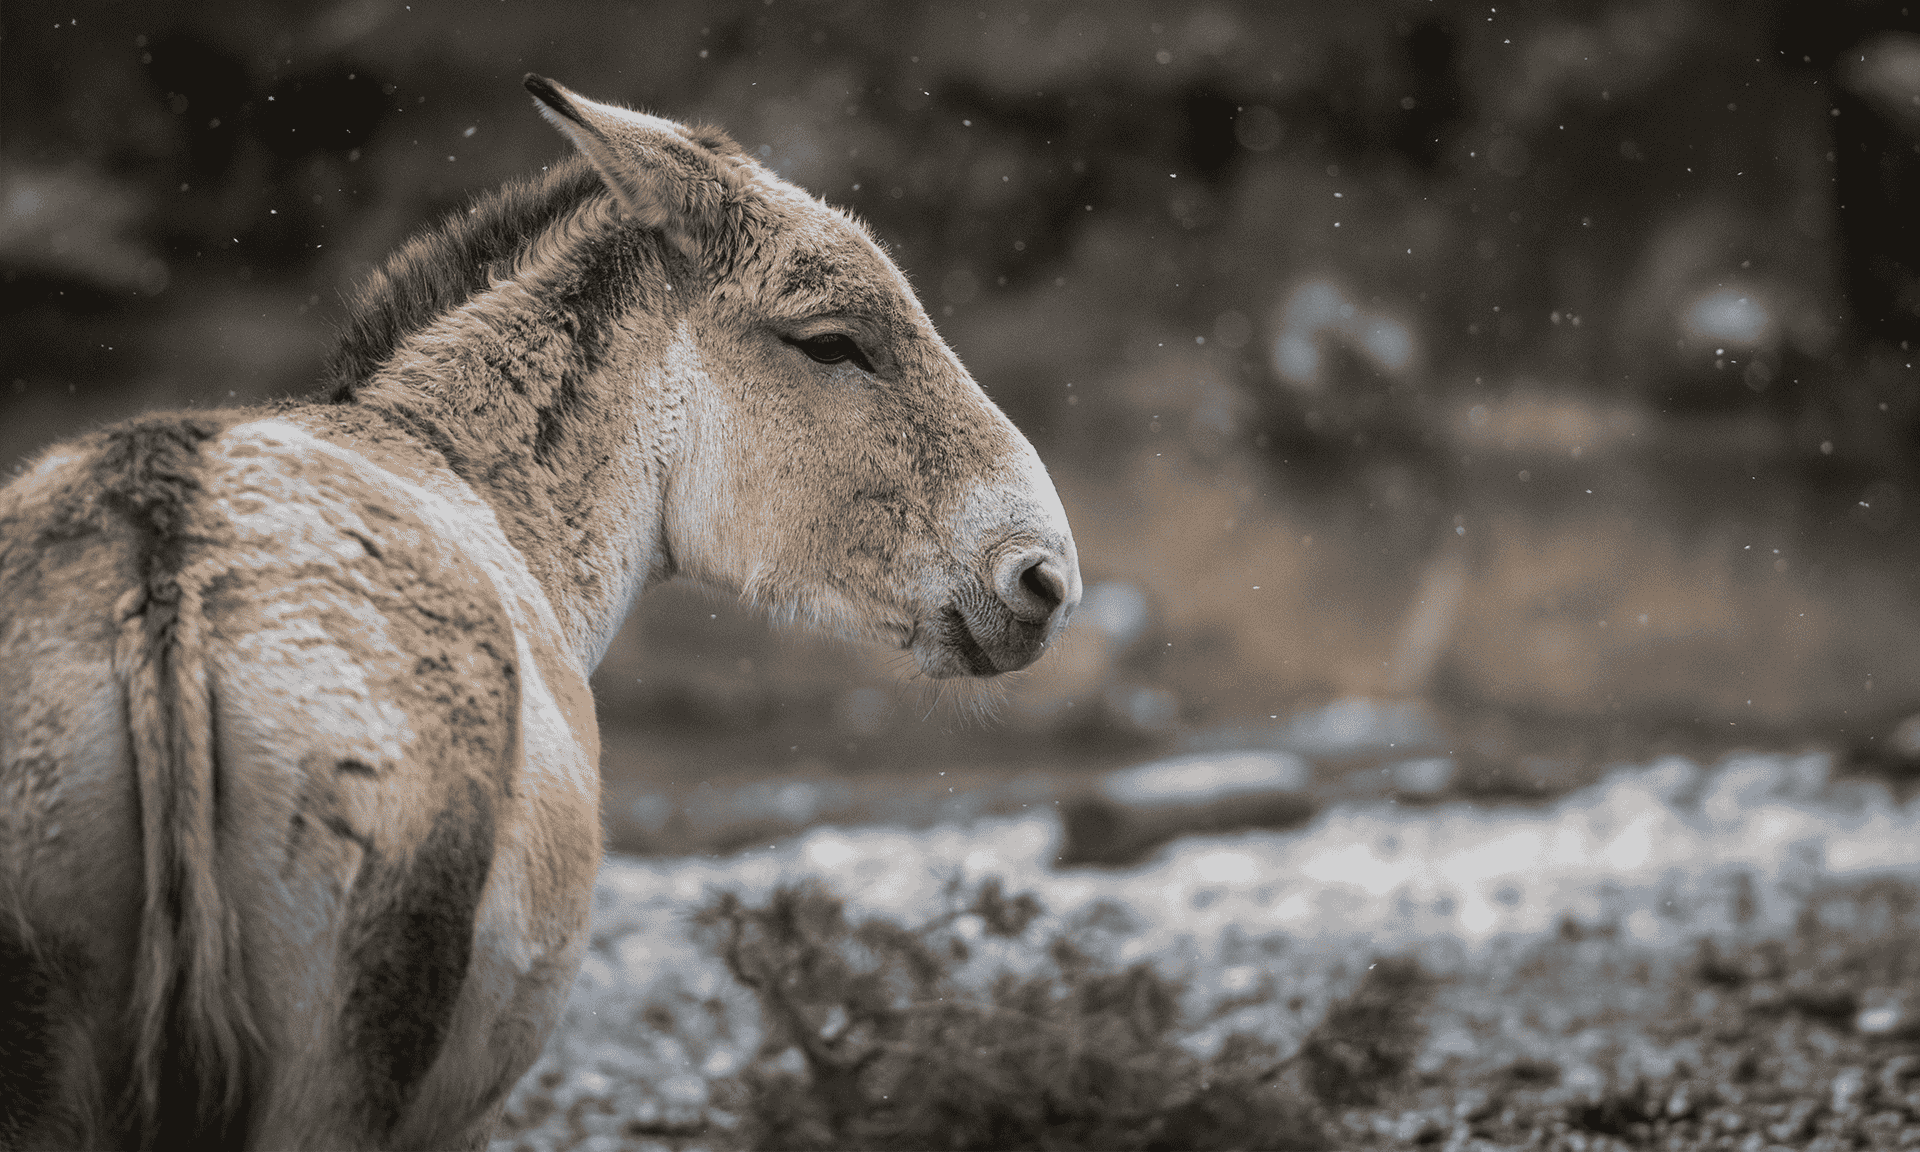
(872, 1043)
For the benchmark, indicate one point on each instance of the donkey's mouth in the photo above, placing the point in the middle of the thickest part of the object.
(960, 641)
(954, 642)
(946, 648)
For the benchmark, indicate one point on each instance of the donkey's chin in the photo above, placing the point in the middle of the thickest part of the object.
(979, 642)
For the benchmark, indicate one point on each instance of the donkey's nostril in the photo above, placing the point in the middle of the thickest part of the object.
(1033, 584)
(1045, 584)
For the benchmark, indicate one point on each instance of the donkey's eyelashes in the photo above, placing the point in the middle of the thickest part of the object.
(833, 348)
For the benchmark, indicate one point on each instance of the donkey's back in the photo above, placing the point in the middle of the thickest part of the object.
(277, 700)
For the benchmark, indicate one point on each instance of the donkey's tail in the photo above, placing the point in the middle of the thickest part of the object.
(194, 1035)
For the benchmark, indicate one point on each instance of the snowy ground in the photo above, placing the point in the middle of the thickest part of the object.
(1268, 927)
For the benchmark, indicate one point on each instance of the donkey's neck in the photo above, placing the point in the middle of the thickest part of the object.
(554, 395)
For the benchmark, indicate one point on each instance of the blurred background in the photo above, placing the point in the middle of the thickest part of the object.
(1458, 396)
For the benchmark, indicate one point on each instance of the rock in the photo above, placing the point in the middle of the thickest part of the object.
(1136, 810)
(1428, 776)
(1204, 779)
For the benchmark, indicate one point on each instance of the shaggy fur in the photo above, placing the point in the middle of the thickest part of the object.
(297, 753)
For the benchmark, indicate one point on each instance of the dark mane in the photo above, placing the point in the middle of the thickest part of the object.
(442, 268)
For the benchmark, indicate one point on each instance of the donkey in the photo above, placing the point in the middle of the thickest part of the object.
(298, 754)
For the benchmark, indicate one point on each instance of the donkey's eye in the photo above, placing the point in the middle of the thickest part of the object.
(833, 348)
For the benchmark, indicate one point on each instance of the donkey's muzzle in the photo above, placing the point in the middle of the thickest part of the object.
(1029, 592)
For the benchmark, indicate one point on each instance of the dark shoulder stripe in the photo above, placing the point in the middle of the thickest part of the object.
(441, 269)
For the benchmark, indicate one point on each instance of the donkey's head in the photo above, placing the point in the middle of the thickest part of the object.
(834, 461)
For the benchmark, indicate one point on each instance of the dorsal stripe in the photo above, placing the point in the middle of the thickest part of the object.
(441, 269)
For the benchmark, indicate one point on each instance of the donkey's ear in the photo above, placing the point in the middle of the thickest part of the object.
(661, 178)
